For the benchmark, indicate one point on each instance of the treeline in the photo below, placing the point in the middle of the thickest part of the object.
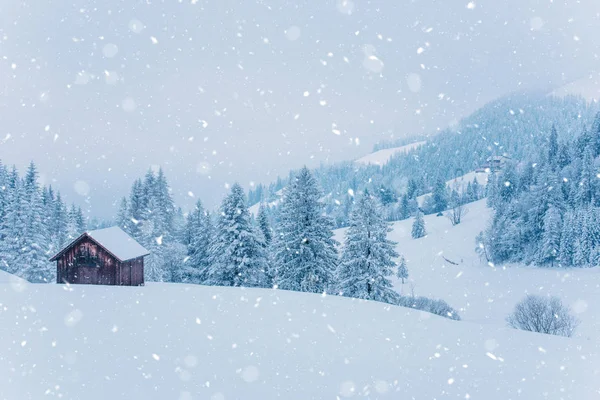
(34, 224)
(547, 208)
(295, 252)
(516, 125)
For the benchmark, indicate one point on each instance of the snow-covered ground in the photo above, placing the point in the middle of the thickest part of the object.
(175, 341)
(482, 293)
(381, 157)
(587, 87)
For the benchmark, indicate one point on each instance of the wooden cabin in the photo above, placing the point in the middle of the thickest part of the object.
(102, 257)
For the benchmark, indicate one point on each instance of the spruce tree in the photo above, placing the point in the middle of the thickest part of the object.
(200, 233)
(367, 260)
(305, 251)
(402, 272)
(237, 254)
(59, 225)
(550, 246)
(33, 254)
(567, 239)
(123, 219)
(440, 196)
(418, 227)
(13, 225)
(553, 149)
(264, 225)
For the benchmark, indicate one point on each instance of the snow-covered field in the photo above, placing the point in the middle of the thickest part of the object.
(175, 341)
(381, 157)
(170, 341)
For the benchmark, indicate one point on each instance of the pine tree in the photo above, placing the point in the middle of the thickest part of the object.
(137, 209)
(587, 178)
(264, 225)
(418, 227)
(3, 190)
(59, 225)
(404, 207)
(199, 227)
(367, 260)
(305, 251)
(34, 253)
(13, 225)
(440, 196)
(123, 219)
(550, 246)
(76, 222)
(237, 254)
(165, 208)
(476, 189)
(402, 272)
(567, 240)
(553, 149)
(507, 183)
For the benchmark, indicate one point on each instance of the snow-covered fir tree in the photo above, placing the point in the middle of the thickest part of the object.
(237, 253)
(418, 226)
(440, 197)
(13, 225)
(367, 260)
(264, 224)
(33, 255)
(123, 219)
(402, 271)
(305, 251)
(199, 232)
(550, 246)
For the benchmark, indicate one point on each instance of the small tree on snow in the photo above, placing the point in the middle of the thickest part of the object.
(418, 227)
(402, 272)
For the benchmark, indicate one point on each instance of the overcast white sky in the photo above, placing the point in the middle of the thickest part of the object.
(96, 92)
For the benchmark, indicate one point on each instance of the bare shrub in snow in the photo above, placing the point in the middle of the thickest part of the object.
(456, 213)
(434, 306)
(544, 315)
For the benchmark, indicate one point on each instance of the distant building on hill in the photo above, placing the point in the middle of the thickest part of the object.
(493, 164)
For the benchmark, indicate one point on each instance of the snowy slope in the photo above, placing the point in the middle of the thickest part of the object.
(254, 208)
(460, 183)
(485, 294)
(587, 87)
(381, 157)
(174, 341)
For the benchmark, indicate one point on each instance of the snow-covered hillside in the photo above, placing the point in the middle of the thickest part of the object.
(587, 87)
(175, 341)
(381, 157)
(482, 293)
(460, 183)
(253, 209)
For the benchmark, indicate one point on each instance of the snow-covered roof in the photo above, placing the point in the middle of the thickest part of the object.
(120, 244)
(115, 241)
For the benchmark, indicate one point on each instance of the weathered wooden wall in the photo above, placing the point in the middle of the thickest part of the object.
(109, 272)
